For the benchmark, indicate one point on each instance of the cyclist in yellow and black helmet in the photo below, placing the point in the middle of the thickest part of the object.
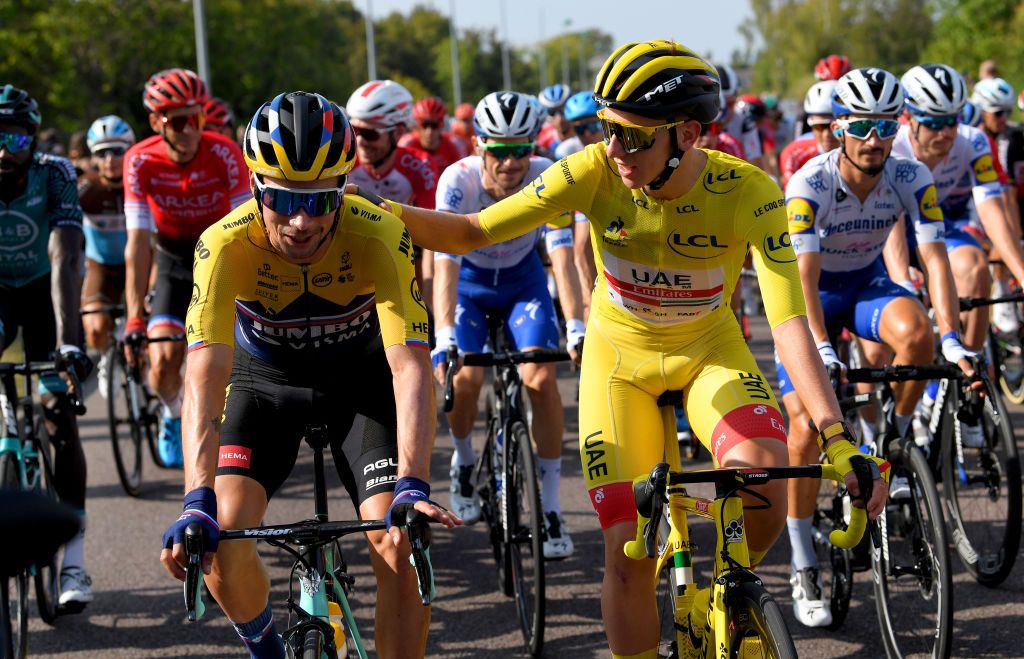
(670, 224)
(306, 308)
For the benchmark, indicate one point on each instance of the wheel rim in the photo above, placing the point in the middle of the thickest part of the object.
(125, 435)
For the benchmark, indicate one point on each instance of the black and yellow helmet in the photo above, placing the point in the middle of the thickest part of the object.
(300, 136)
(659, 79)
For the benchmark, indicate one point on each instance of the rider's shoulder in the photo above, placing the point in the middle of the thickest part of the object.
(233, 227)
(974, 138)
(55, 165)
(362, 216)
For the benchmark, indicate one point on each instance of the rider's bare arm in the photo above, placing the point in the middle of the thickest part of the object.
(443, 232)
(414, 401)
(896, 252)
(570, 298)
(996, 222)
(206, 375)
(138, 255)
(65, 252)
(810, 272)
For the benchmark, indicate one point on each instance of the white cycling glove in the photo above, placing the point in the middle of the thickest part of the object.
(952, 349)
(574, 331)
(828, 355)
(444, 338)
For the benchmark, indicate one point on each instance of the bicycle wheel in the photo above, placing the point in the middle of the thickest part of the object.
(835, 564)
(1008, 359)
(14, 591)
(526, 536)
(312, 644)
(46, 575)
(912, 576)
(982, 488)
(126, 433)
(490, 497)
(756, 625)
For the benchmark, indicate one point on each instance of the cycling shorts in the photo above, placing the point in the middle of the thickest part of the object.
(955, 236)
(267, 411)
(172, 291)
(103, 283)
(622, 428)
(30, 308)
(525, 302)
(854, 300)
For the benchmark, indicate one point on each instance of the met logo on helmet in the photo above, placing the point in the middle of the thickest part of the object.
(666, 86)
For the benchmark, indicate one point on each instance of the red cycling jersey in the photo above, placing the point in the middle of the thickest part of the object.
(178, 202)
(412, 178)
(445, 154)
(794, 155)
(729, 144)
(1001, 175)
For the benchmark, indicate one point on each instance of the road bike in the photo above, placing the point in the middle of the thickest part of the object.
(27, 463)
(506, 479)
(321, 623)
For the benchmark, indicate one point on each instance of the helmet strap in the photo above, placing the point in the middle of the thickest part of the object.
(862, 170)
(675, 158)
(394, 145)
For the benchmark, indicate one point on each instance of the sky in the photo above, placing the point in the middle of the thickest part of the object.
(709, 28)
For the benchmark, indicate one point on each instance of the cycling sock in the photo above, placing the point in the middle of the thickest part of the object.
(260, 636)
(867, 431)
(930, 392)
(550, 476)
(801, 543)
(172, 408)
(464, 453)
(646, 654)
(74, 550)
(902, 423)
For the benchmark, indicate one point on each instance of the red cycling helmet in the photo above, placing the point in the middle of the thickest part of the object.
(465, 112)
(174, 88)
(832, 67)
(218, 113)
(430, 108)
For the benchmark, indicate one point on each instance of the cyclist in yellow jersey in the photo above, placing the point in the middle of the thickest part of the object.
(670, 225)
(305, 308)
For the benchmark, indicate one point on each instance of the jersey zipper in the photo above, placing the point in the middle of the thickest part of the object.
(305, 289)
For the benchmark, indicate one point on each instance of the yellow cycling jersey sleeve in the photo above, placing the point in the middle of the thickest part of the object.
(666, 266)
(289, 314)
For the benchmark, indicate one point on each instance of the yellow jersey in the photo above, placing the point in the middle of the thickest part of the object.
(666, 267)
(305, 316)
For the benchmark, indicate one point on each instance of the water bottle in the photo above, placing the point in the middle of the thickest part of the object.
(498, 465)
(336, 616)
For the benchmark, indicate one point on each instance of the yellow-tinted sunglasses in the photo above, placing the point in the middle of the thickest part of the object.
(632, 137)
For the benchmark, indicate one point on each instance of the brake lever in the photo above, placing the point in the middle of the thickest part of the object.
(649, 497)
(867, 472)
(452, 361)
(418, 531)
(194, 605)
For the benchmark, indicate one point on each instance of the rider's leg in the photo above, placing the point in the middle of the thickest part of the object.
(905, 327)
(970, 272)
(541, 381)
(165, 360)
(401, 621)
(467, 384)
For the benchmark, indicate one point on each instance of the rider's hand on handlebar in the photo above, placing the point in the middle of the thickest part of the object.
(841, 449)
(73, 359)
(445, 341)
(954, 352)
(134, 335)
(200, 506)
(413, 493)
(829, 356)
(574, 332)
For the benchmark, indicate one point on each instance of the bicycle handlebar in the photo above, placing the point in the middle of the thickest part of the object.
(38, 368)
(651, 494)
(968, 303)
(503, 358)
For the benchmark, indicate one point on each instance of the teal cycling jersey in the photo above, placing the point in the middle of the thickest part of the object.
(49, 201)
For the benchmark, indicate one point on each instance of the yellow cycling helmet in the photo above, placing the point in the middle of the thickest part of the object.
(300, 136)
(659, 79)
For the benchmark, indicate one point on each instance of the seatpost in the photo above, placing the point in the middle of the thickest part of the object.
(316, 437)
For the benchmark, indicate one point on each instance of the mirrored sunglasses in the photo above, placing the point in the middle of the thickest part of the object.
(178, 123)
(633, 138)
(285, 201)
(860, 129)
(502, 151)
(15, 142)
(939, 122)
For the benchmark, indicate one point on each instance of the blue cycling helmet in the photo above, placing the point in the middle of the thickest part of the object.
(110, 130)
(580, 106)
(553, 97)
(970, 116)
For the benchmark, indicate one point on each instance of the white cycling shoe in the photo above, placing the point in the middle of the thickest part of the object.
(75, 588)
(808, 606)
(462, 496)
(558, 544)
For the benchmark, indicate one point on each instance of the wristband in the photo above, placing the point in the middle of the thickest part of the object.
(837, 429)
(951, 335)
(135, 325)
(575, 325)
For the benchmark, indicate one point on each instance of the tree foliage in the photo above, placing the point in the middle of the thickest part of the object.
(85, 58)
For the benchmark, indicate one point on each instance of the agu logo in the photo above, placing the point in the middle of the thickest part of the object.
(928, 200)
(801, 214)
(984, 170)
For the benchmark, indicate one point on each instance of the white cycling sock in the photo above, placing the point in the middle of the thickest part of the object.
(550, 476)
(464, 453)
(801, 543)
(172, 408)
(74, 550)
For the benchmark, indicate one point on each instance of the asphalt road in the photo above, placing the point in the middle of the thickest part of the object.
(138, 611)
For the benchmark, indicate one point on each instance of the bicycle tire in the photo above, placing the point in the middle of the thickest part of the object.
(46, 575)
(526, 537)
(125, 431)
(1008, 361)
(835, 564)
(312, 644)
(14, 594)
(913, 579)
(982, 490)
(757, 628)
(490, 497)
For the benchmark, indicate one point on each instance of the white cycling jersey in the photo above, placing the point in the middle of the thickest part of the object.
(825, 216)
(966, 171)
(460, 190)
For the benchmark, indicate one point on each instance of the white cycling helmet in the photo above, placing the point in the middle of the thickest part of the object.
(868, 90)
(729, 80)
(992, 95)
(819, 98)
(382, 103)
(553, 97)
(934, 89)
(506, 114)
(109, 131)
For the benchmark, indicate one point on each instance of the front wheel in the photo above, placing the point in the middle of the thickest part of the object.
(13, 589)
(525, 536)
(126, 429)
(835, 564)
(312, 644)
(912, 577)
(756, 625)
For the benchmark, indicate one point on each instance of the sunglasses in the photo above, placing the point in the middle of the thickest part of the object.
(15, 142)
(592, 126)
(938, 123)
(860, 129)
(111, 152)
(998, 113)
(371, 134)
(554, 112)
(501, 151)
(633, 138)
(178, 123)
(284, 201)
(435, 125)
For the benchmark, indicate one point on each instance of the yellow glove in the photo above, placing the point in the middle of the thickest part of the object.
(843, 454)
